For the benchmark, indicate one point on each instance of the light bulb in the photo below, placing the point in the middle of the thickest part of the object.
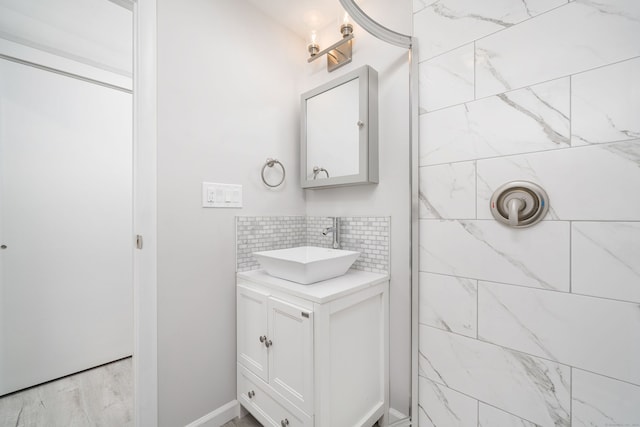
(346, 28)
(313, 47)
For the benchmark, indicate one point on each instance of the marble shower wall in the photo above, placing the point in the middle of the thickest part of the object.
(539, 326)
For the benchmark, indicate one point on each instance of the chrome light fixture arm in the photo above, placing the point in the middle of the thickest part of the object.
(330, 48)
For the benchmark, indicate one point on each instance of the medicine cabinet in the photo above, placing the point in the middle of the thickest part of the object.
(339, 131)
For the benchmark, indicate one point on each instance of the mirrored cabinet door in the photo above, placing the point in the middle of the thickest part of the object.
(340, 131)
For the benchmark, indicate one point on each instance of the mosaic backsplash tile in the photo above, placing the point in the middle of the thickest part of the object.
(264, 233)
(367, 235)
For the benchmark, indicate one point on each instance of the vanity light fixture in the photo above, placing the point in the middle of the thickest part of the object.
(339, 53)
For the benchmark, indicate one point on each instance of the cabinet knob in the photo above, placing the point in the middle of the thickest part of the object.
(268, 343)
(284, 423)
(251, 394)
(263, 338)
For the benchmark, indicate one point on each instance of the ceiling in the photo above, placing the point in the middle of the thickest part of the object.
(302, 16)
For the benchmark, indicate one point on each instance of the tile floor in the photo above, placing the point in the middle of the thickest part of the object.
(246, 421)
(100, 397)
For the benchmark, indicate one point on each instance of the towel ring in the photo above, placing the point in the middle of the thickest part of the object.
(271, 163)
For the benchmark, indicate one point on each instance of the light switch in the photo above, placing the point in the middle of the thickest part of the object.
(216, 195)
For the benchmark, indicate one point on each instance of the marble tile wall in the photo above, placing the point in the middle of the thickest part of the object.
(368, 235)
(537, 326)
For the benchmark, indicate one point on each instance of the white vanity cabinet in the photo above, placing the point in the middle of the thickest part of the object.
(275, 342)
(313, 355)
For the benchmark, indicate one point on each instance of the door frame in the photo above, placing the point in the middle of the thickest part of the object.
(145, 375)
(145, 353)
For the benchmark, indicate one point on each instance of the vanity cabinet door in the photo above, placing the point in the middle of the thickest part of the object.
(291, 352)
(253, 331)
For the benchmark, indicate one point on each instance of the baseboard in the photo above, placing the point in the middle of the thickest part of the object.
(220, 416)
(395, 416)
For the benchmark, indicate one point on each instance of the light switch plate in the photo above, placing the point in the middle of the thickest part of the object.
(215, 195)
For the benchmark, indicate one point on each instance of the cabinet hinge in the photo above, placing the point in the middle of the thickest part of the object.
(138, 241)
(305, 314)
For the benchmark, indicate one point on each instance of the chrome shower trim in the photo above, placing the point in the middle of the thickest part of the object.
(408, 42)
(374, 28)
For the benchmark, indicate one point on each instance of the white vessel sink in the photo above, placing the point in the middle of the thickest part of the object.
(306, 264)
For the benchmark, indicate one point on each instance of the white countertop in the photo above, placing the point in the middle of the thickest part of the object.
(320, 292)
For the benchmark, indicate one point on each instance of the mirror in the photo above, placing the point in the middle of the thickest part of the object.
(340, 131)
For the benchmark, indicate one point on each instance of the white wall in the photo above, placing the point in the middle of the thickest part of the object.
(223, 110)
(391, 197)
(536, 325)
(227, 99)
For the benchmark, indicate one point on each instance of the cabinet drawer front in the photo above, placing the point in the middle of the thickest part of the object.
(264, 404)
(291, 353)
(252, 331)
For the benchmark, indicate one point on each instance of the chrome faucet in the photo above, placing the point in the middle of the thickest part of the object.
(335, 230)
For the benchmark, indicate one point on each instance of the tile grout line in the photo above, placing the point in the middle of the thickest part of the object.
(545, 221)
(528, 85)
(531, 355)
(475, 168)
(570, 111)
(532, 288)
(570, 223)
(475, 71)
(570, 257)
(475, 398)
(477, 310)
(570, 395)
(528, 153)
(491, 34)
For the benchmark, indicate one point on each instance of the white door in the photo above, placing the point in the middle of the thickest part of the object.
(66, 284)
(291, 352)
(252, 331)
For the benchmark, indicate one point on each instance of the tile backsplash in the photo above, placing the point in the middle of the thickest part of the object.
(264, 233)
(367, 235)
(364, 234)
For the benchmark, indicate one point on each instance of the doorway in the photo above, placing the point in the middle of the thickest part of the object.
(65, 225)
(66, 189)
